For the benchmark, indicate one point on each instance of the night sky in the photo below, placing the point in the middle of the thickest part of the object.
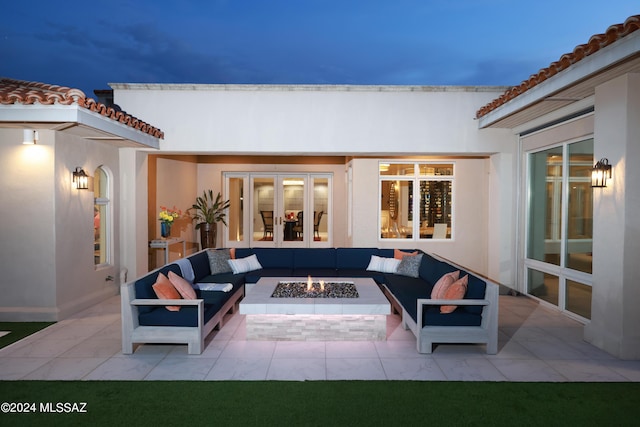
(88, 44)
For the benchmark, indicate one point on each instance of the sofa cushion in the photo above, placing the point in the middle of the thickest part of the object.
(354, 258)
(406, 290)
(442, 268)
(218, 260)
(183, 287)
(164, 289)
(200, 264)
(410, 265)
(428, 268)
(270, 257)
(143, 286)
(455, 291)
(385, 253)
(314, 272)
(218, 297)
(432, 317)
(234, 279)
(187, 316)
(475, 290)
(375, 275)
(254, 276)
(314, 258)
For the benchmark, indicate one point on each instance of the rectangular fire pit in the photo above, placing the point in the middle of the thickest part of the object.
(316, 318)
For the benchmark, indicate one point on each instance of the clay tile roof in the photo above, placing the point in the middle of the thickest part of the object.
(28, 93)
(595, 43)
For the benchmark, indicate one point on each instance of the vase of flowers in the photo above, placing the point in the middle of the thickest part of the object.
(207, 212)
(167, 217)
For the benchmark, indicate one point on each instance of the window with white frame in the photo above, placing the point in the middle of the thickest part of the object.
(102, 221)
(416, 200)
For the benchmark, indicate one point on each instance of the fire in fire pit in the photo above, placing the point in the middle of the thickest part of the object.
(313, 289)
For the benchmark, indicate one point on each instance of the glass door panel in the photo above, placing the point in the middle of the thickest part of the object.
(580, 207)
(263, 211)
(579, 298)
(321, 209)
(293, 216)
(435, 209)
(396, 214)
(543, 285)
(235, 217)
(545, 206)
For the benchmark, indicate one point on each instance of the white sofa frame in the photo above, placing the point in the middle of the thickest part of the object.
(486, 333)
(194, 336)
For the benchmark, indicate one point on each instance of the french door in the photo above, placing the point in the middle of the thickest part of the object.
(278, 210)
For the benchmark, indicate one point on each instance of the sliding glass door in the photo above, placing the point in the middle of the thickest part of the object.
(558, 256)
(279, 210)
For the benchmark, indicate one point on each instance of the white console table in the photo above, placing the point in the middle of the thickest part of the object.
(165, 243)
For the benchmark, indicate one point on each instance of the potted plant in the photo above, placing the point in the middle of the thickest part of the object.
(208, 212)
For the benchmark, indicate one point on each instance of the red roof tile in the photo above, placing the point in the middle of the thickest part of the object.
(596, 42)
(27, 93)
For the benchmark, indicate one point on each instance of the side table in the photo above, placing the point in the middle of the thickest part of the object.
(165, 243)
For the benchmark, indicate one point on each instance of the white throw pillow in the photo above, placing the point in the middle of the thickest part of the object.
(243, 265)
(383, 265)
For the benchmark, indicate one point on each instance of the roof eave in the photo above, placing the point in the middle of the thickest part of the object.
(64, 117)
(599, 61)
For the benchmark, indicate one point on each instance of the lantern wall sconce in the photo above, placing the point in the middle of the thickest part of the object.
(600, 173)
(29, 137)
(80, 179)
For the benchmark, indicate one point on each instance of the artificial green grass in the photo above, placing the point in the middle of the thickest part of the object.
(327, 403)
(20, 330)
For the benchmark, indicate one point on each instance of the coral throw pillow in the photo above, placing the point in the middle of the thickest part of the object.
(443, 283)
(398, 254)
(455, 291)
(165, 290)
(182, 286)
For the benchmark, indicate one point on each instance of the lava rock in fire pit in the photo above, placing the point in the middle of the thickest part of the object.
(303, 290)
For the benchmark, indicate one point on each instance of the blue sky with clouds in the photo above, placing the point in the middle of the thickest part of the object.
(88, 44)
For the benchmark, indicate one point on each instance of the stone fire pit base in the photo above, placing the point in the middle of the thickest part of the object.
(317, 327)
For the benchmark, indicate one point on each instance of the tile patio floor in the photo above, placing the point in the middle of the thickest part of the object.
(535, 344)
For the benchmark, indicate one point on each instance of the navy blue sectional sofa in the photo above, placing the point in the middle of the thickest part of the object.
(145, 318)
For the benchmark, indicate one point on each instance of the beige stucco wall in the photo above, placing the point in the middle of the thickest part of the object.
(616, 230)
(47, 243)
(371, 122)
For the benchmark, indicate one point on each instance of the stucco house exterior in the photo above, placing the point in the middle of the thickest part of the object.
(507, 169)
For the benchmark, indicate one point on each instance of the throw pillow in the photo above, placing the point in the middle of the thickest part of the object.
(455, 291)
(383, 265)
(218, 260)
(165, 290)
(410, 265)
(398, 254)
(182, 286)
(443, 283)
(243, 265)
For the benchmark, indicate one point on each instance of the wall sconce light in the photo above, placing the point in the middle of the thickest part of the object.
(80, 179)
(29, 137)
(600, 173)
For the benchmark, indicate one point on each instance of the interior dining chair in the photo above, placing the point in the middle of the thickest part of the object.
(299, 227)
(440, 231)
(317, 216)
(267, 221)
